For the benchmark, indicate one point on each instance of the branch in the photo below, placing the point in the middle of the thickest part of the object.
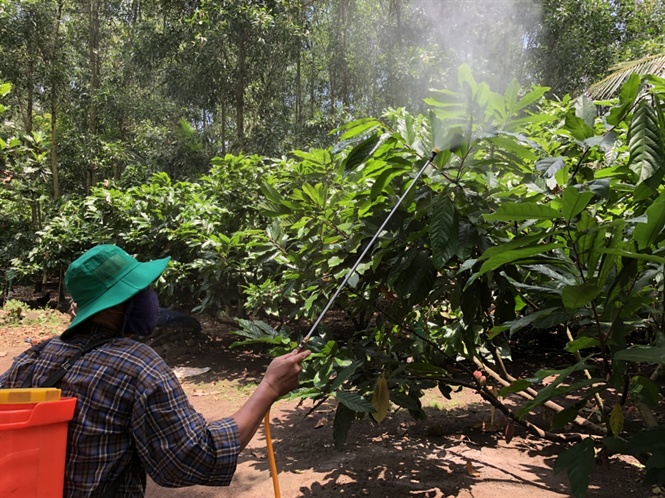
(530, 394)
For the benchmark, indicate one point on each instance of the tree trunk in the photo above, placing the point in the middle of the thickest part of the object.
(240, 90)
(223, 127)
(93, 61)
(298, 110)
(55, 170)
(27, 120)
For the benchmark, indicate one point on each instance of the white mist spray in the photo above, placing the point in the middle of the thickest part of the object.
(491, 36)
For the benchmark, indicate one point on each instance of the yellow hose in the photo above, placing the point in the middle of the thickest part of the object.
(271, 455)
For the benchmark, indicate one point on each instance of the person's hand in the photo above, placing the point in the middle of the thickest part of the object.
(282, 373)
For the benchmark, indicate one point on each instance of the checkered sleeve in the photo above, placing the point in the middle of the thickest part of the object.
(175, 443)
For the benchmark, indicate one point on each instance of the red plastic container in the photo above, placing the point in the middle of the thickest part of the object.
(33, 446)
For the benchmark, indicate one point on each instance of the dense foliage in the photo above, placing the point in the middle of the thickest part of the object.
(202, 130)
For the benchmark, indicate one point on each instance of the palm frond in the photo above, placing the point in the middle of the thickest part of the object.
(610, 85)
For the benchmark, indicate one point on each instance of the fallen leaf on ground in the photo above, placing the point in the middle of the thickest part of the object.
(184, 372)
(322, 421)
(470, 470)
(197, 392)
(509, 432)
(259, 454)
(3, 353)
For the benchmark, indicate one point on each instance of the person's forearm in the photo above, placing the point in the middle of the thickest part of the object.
(249, 416)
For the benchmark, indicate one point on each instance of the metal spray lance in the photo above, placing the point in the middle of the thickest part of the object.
(305, 340)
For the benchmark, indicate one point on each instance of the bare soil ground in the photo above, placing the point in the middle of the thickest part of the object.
(455, 452)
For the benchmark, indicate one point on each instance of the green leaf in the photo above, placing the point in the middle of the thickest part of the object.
(354, 401)
(361, 152)
(508, 143)
(314, 193)
(514, 387)
(581, 343)
(574, 202)
(514, 211)
(344, 418)
(255, 329)
(384, 179)
(416, 279)
(443, 231)
(590, 237)
(516, 243)
(586, 109)
(629, 92)
(647, 354)
(405, 401)
(465, 78)
(634, 255)
(5, 88)
(567, 415)
(552, 390)
(646, 234)
(645, 144)
(577, 127)
(359, 127)
(579, 461)
(645, 390)
(531, 97)
(345, 375)
(525, 321)
(515, 255)
(578, 296)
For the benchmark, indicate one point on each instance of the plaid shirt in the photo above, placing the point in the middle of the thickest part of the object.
(131, 414)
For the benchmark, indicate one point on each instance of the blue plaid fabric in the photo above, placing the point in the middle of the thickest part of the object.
(131, 413)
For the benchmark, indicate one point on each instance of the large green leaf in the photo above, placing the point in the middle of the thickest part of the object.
(344, 417)
(516, 243)
(415, 280)
(578, 296)
(646, 234)
(531, 97)
(574, 202)
(516, 255)
(525, 321)
(508, 143)
(521, 211)
(361, 152)
(608, 263)
(359, 127)
(579, 461)
(443, 231)
(384, 179)
(586, 110)
(345, 374)
(315, 193)
(647, 354)
(577, 127)
(354, 401)
(581, 343)
(635, 255)
(645, 144)
(590, 237)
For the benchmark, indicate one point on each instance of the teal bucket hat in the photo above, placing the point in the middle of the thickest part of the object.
(106, 276)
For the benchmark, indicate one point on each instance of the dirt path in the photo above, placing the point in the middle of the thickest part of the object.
(453, 453)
